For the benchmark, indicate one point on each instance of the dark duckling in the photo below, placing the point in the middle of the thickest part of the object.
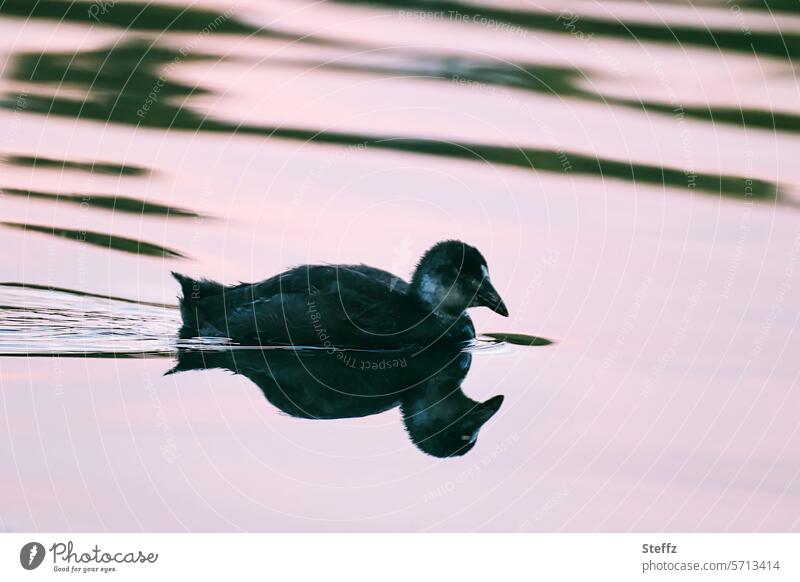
(440, 419)
(347, 306)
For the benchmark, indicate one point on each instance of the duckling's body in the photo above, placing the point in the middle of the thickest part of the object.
(346, 306)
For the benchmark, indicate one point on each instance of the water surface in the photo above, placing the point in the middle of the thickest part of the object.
(629, 170)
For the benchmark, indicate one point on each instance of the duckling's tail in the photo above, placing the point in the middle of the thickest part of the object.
(194, 292)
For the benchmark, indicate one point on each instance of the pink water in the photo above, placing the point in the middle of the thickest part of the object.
(668, 403)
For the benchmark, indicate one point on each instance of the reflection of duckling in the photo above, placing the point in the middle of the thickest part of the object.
(449, 426)
(347, 305)
(326, 384)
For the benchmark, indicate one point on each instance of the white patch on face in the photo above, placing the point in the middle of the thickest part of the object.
(422, 418)
(485, 271)
(430, 289)
(441, 298)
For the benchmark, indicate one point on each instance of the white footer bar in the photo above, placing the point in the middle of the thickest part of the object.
(400, 557)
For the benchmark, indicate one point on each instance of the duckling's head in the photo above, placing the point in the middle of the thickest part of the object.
(448, 427)
(451, 277)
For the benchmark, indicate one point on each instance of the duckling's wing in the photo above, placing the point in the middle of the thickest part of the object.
(390, 280)
(342, 306)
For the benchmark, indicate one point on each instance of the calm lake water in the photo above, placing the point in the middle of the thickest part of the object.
(629, 170)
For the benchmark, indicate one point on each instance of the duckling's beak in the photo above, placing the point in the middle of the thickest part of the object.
(488, 408)
(489, 297)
